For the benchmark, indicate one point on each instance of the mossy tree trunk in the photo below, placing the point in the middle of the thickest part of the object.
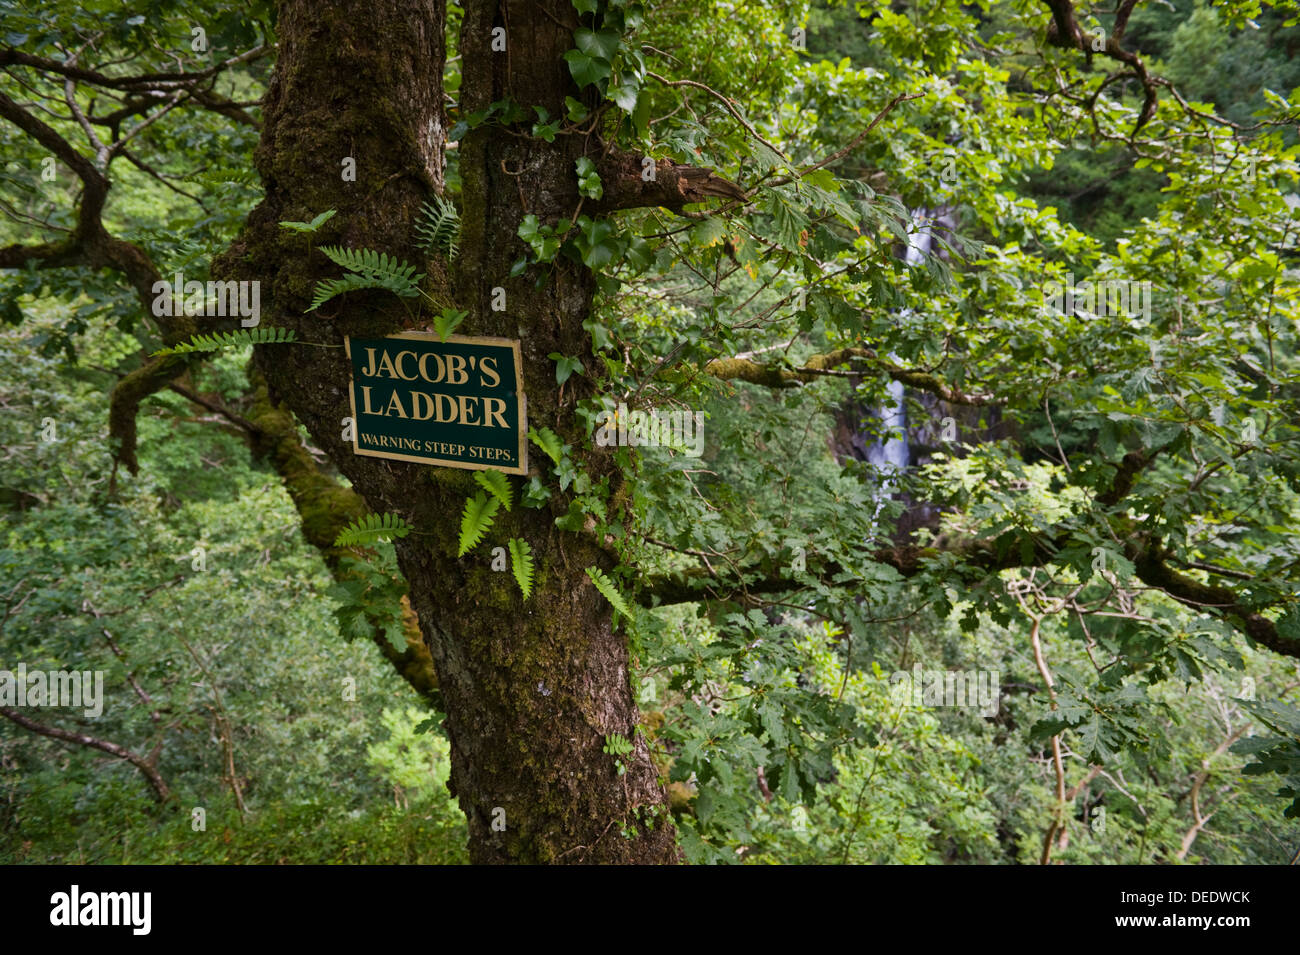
(531, 688)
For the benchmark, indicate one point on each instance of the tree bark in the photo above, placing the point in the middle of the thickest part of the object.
(532, 688)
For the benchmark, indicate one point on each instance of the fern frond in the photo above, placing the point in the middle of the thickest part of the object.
(548, 441)
(266, 335)
(370, 529)
(496, 484)
(447, 322)
(521, 565)
(311, 226)
(475, 521)
(608, 590)
(221, 177)
(439, 227)
(327, 289)
(369, 262)
(367, 268)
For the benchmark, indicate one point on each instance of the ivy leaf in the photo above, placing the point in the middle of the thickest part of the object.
(640, 255)
(602, 44)
(600, 335)
(624, 95)
(587, 70)
(565, 366)
(589, 183)
(576, 111)
(541, 238)
(641, 116)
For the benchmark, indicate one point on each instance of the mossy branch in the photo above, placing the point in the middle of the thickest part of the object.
(325, 509)
(828, 364)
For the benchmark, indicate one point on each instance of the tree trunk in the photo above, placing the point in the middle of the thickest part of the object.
(533, 687)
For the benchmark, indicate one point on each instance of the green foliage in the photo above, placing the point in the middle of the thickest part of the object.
(417, 762)
(311, 226)
(475, 521)
(548, 441)
(218, 341)
(367, 597)
(780, 724)
(367, 269)
(608, 590)
(618, 747)
(496, 484)
(1277, 755)
(521, 565)
(565, 366)
(447, 321)
(310, 831)
(541, 238)
(320, 774)
(588, 179)
(371, 529)
(439, 227)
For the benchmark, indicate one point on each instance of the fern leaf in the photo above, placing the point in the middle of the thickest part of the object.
(496, 484)
(369, 262)
(548, 441)
(266, 335)
(326, 290)
(447, 322)
(223, 177)
(608, 590)
(439, 227)
(367, 268)
(475, 521)
(521, 565)
(321, 219)
(311, 226)
(371, 529)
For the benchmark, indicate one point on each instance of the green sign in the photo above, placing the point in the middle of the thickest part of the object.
(458, 403)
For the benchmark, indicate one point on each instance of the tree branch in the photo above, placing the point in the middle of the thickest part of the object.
(139, 83)
(780, 376)
(1064, 31)
(325, 507)
(159, 786)
(90, 245)
(1148, 556)
(674, 185)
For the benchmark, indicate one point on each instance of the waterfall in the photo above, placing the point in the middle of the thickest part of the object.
(890, 455)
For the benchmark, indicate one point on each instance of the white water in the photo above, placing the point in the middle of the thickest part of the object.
(889, 457)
